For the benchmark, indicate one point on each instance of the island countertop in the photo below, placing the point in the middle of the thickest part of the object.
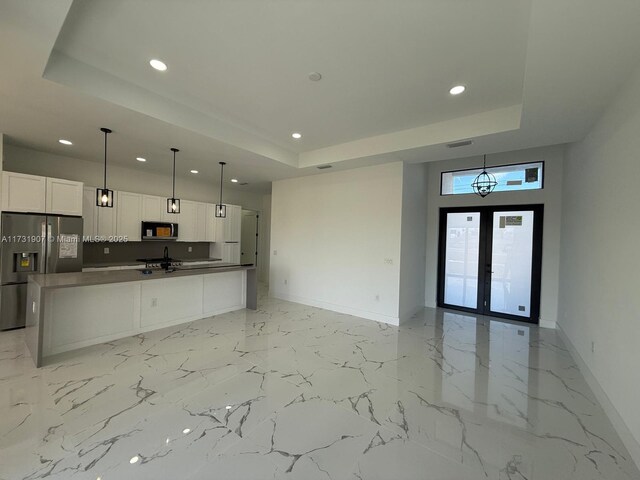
(81, 279)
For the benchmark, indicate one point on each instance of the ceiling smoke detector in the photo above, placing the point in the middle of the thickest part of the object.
(315, 76)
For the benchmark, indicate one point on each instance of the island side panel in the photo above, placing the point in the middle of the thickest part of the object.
(252, 289)
(223, 292)
(81, 316)
(34, 320)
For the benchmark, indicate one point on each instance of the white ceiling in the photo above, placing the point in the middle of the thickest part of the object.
(538, 73)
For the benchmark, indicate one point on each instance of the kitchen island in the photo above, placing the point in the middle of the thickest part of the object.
(68, 311)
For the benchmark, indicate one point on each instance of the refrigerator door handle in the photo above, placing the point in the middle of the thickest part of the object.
(49, 247)
(43, 242)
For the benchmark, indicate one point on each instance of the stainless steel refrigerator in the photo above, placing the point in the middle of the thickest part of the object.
(34, 244)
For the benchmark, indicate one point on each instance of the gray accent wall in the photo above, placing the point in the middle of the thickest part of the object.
(130, 251)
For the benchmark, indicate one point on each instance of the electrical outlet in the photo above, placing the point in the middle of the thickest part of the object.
(286, 282)
(377, 297)
(189, 249)
(593, 347)
(275, 252)
(106, 250)
(388, 261)
(154, 302)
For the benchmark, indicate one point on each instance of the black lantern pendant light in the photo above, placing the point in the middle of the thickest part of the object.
(173, 203)
(104, 196)
(221, 209)
(484, 183)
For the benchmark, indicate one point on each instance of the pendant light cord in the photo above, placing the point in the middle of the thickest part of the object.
(221, 176)
(105, 159)
(484, 164)
(174, 150)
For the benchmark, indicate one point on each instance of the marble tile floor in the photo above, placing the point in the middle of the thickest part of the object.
(295, 392)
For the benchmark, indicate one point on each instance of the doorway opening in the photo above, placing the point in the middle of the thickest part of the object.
(490, 260)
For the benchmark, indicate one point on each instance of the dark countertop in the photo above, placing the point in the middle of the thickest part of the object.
(81, 279)
(134, 262)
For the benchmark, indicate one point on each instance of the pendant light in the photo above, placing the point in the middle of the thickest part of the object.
(104, 196)
(484, 183)
(173, 203)
(221, 209)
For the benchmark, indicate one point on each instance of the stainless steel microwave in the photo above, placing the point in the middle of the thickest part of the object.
(159, 231)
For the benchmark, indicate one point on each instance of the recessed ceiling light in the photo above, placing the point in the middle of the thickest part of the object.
(158, 64)
(234, 180)
(315, 76)
(296, 135)
(140, 159)
(457, 90)
(194, 171)
(65, 142)
(134, 460)
(186, 431)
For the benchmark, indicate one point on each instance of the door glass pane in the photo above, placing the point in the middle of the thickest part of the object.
(511, 262)
(461, 259)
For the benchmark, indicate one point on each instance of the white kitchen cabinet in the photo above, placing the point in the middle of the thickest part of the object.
(231, 252)
(129, 215)
(89, 213)
(187, 222)
(231, 224)
(210, 223)
(64, 197)
(23, 193)
(201, 222)
(99, 222)
(152, 208)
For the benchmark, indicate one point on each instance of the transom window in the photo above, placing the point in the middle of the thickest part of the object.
(520, 176)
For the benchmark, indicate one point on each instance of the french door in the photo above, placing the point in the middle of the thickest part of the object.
(490, 260)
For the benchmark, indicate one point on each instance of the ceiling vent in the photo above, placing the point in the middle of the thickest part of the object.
(463, 143)
(244, 183)
(323, 167)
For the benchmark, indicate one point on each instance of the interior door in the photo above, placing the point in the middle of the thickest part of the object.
(490, 260)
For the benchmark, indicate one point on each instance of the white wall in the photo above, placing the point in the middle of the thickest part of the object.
(413, 240)
(332, 233)
(24, 160)
(600, 262)
(550, 196)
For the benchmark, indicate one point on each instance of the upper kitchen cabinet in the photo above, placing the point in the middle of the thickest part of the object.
(186, 221)
(36, 194)
(99, 223)
(152, 208)
(64, 197)
(232, 224)
(201, 222)
(129, 215)
(89, 213)
(24, 193)
(210, 223)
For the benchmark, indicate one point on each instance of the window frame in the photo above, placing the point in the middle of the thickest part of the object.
(489, 171)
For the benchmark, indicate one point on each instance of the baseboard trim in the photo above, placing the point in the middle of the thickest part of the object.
(548, 324)
(629, 441)
(378, 317)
